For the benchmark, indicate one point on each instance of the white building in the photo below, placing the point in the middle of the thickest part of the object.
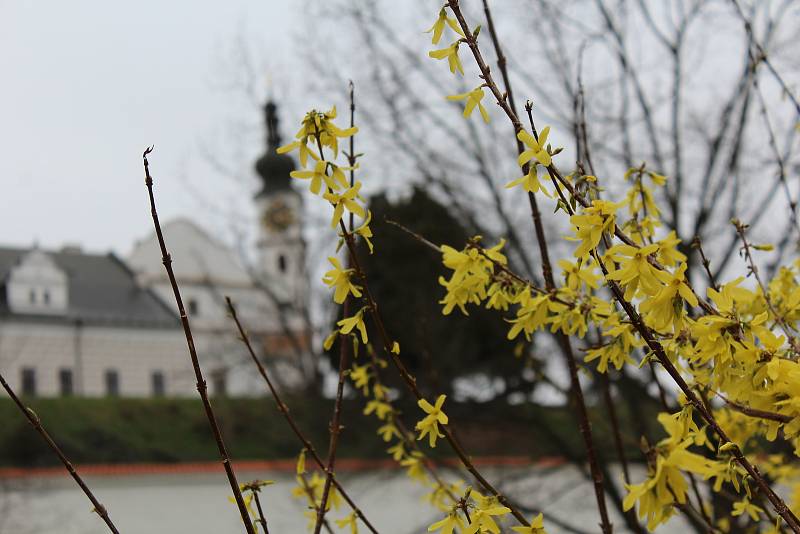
(73, 323)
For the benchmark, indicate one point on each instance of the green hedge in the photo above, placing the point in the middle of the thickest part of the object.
(175, 430)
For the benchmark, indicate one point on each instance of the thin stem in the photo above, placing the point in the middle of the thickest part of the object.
(336, 427)
(706, 264)
(755, 412)
(547, 271)
(746, 247)
(310, 494)
(652, 343)
(762, 57)
(411, 381)
(407, 377)
(36, 423)
(202, 388)
(284, 409)
(261, 517)
(612, 416)
(694, 400)
(699, 497)
(406, 435)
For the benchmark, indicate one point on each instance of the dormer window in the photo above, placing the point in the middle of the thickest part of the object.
(37, 285)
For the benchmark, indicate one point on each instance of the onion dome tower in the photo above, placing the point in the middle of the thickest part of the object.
(280, 242)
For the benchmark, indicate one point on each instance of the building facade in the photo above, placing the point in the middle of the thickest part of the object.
(73, 323)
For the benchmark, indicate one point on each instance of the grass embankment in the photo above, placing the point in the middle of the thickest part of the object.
(175, 430)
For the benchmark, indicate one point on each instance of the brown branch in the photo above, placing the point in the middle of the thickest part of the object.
(779, 160)
(335, 426)
(36, 423)
(406, 435)
(284, 409)
(755, 412)
(202, 388)
(502, 101)
(741, 228)
(644, 332)
(312, 499)
(411, 381)
(407, 377)
(261, 517)
(700, 502)
(696, 243)
(612, 416)
(547, 271)
(641, 95)
(762, 57)
(778, 504)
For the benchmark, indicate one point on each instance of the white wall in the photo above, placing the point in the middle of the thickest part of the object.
(135, 353)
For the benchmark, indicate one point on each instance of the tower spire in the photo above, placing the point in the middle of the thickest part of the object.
(271, 118)
(273, 168)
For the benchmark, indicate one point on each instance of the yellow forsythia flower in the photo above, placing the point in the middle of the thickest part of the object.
(537, 148)
(345, 200)
(448, 524)
(349, 521)
(473, 99)
(317, 124)
(340, 279)
(335, 181)
(438, 26)
(347, 325)
(451, 54)
(429, 425)
(589, 226)
(537, 526)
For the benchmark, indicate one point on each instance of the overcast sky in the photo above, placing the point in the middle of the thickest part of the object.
(88, 85)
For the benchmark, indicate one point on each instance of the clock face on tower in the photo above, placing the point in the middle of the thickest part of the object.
(278, 216)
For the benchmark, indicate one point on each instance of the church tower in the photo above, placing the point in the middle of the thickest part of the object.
(281, 248)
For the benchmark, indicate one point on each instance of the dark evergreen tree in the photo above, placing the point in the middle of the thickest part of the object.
(403, 277)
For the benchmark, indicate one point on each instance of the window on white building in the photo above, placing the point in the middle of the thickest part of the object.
(112, 383)
(193, 307)
(29, 381)
(282, 263)
(65, 382)
(46, 297)
(157, 383)
(219, 383)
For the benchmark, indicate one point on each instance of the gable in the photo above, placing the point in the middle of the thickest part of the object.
(100, 289)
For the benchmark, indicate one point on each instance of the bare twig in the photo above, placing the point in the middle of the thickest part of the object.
(547, 271)
(202, 388)
(778, 504)
(261, 517)
(344, 353)
(644, 332)
(33, 419)
(762, 57)
(313, 500)
(696, 243)
(284, 409)
(741, 228)
(755, 412)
